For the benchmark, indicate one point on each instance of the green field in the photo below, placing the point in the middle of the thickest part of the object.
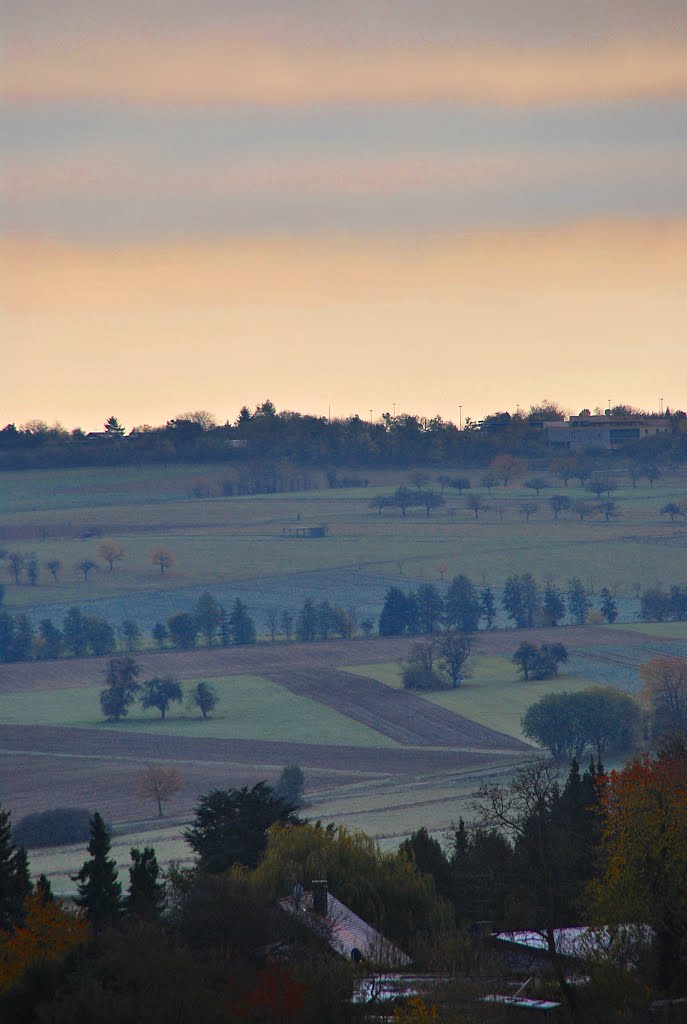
(493, 694)
(667, 630)
(237, 541)
(249, 708)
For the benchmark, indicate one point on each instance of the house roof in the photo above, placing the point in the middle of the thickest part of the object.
(345, 931)
(580, 942)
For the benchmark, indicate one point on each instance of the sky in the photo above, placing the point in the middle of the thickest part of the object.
(435, 207)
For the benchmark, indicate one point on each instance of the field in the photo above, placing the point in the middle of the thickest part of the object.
(235, 546)
(375, 756)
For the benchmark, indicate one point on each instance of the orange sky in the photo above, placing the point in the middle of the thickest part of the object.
(581, 314)
(206, 204)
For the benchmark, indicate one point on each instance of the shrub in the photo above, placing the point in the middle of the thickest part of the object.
(53, 828)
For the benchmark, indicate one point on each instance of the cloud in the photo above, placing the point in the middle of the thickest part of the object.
(224, 68)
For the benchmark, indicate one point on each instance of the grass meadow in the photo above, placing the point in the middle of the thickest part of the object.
(493, 694)
(250, 708)
(235, 546)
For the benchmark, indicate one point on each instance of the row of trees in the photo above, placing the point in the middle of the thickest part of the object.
(464, 607)
(122, 690)
(25, 567)
(263, 433)
(83, 634)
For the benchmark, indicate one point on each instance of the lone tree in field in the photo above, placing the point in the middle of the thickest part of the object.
(528, 508)
(100, 894)
(163, 558)
(110, 551)
(121, 688)
(204, 697)
(477, 504)
(159, 784)
(85, 566)
(672, 509)
(53, 565)
(160, 693)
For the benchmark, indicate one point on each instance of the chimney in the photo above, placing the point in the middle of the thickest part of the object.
(319, 896)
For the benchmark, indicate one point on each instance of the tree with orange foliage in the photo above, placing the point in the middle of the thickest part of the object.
(664, 691)
(48, 933)
(644, 855)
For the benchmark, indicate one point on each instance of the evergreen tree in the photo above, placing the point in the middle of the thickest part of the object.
(430, 609)
(160, 634)
(15, 884)
(609, 606)
(100, 894)
(208, 616)
(51, 639)
(488, 606)
(146, 893)
(463, 608)
(393, 619)
(241, 624)
(306, 623)
(553, 604)
(74, 635)
(520, 600)
(230, 826)
(578, 601)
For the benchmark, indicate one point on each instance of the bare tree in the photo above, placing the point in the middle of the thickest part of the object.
(476, 504)
(53, 565)
(528, 508)
(86, 566)
(272, 616)
(16, 560)
(159, 784)
(110, 551)
(162, 557)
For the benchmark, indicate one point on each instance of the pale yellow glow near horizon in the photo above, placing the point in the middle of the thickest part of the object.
(228, 68)
(487, 320)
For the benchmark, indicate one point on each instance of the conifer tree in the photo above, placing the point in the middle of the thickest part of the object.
(15, 884)
(100, 893)
(146, 893)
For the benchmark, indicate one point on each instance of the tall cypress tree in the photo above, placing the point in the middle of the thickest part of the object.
(100, 894)
(15, 884)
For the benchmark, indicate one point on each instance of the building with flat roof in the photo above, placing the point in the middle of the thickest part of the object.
(608, 432)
